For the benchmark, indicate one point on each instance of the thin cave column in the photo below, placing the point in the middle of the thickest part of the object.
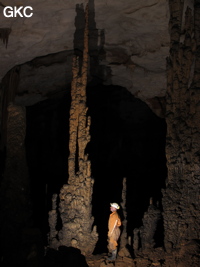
(124, 239)
(181, 201)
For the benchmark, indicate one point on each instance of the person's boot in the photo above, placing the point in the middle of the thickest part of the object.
(113, 256)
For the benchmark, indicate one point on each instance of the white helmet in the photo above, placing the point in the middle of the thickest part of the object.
(115, 205)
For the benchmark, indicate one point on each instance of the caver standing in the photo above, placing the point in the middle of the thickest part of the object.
(114, 223)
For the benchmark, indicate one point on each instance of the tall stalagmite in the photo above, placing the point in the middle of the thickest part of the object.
(75, 197)
(123, 239)
(181, 201)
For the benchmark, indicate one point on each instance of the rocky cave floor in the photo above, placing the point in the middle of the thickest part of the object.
(72, 257)
(187, 256)
(33, 254)
(144, 261)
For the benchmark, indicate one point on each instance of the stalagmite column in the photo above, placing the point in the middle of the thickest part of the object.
(75, 197)
(123, 239)
(150, 222)
(53, 242)
(144, 236)
(136, 240)
(181, 201)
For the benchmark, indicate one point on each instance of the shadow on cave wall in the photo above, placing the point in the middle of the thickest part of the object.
(127, 140)
(97, 72)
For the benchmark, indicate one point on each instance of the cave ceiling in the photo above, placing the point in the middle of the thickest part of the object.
(133, 36)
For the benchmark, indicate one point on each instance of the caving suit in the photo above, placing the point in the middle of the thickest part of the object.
(114, 223)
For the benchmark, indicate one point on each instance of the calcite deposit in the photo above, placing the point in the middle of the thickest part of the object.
(75, 197)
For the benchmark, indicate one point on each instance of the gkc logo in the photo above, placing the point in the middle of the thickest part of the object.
(10, 12)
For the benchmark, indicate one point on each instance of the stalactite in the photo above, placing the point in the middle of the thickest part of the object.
(75, 197)
(4, 35)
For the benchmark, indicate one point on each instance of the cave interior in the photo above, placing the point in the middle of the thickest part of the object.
(151, 144)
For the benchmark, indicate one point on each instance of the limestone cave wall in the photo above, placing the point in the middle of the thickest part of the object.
(181, 197)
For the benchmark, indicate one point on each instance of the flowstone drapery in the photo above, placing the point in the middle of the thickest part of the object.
(75, 197)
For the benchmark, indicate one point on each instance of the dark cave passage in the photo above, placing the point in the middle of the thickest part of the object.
(127, 140)
(47, 141)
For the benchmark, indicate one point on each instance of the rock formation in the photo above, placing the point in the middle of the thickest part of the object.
(75, 197)
(147, 231)
(181, 200)
(135, 41)
(136, 44)
(124, 239)
(143, 238)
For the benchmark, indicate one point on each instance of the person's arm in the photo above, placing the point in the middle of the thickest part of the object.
(113, 227)
(119, 223)
(113, 222)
